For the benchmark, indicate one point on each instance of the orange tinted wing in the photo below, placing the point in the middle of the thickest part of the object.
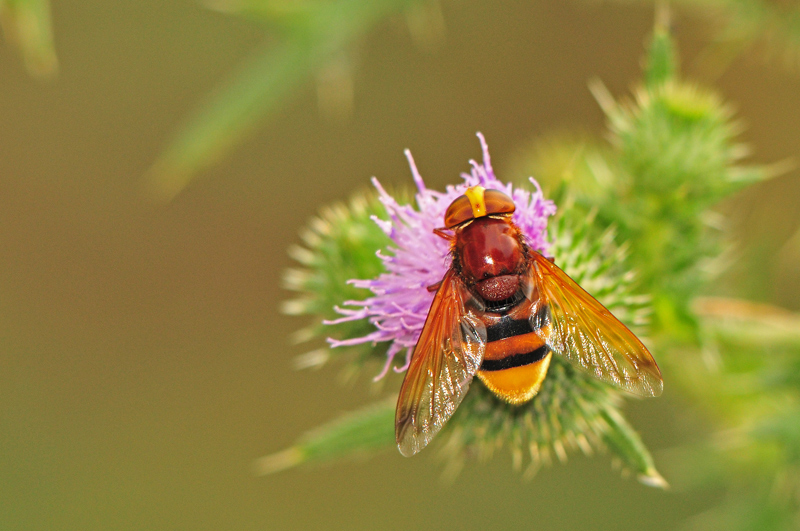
(447, 356)
(585, 333)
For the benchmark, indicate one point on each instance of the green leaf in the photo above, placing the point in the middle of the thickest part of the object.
(623, 440)
(747, 324)
(359, 432)
(256, 90)
(661, 63)
(27, 24)
(313, 36)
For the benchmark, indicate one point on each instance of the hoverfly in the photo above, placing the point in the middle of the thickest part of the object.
(500, 312)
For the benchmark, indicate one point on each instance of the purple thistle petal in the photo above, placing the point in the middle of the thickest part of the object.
(419, 258)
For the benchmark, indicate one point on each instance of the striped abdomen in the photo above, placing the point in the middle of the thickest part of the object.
(516, 358)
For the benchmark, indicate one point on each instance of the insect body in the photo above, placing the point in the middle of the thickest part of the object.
(501, 311)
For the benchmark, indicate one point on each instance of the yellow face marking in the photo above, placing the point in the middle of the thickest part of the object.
(476, 200)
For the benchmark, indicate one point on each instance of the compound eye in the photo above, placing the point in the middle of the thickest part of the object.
(458, 212)
(498, 203)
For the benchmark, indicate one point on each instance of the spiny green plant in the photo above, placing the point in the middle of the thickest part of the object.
(670, 156)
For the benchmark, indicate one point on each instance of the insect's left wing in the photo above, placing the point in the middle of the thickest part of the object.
(585, 333)
(447, 356)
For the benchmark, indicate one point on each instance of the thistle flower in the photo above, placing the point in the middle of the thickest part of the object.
(571, 412)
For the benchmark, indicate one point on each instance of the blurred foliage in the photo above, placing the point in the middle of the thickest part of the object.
(311, 37)
(745, 377)
(26, 25)
(318, 37)
(740, 26)
(671, 155)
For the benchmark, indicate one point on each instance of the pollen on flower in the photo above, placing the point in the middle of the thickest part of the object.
(418, 258)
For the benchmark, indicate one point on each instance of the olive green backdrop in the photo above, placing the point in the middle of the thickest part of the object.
(143, 361)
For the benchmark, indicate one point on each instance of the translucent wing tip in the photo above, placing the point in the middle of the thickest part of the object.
(647, 386)
(409, 447)
(410, 442)
(658, 388)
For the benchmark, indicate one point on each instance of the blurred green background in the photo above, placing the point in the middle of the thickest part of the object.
(144, 363)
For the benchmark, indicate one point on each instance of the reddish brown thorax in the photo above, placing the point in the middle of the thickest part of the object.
(488, 246)
(491, 257)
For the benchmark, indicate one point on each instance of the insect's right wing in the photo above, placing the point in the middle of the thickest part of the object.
(447, 356)
(587, 335)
